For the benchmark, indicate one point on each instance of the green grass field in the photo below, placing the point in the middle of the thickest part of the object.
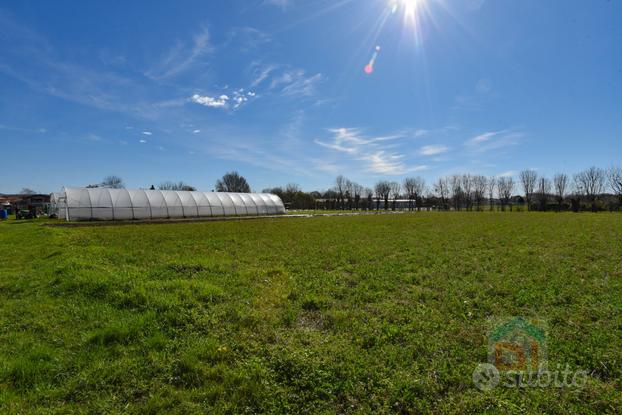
(383, 314)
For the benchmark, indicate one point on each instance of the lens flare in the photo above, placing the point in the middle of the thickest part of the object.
(369, 68)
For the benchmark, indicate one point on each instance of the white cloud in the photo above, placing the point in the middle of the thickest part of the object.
(197, 131)
(238, 98)
(374, 151)
(433, 150)
(483, 137)
(381, 162)
(143, 141)
(493, 140)
(213, 102)
(147, 133)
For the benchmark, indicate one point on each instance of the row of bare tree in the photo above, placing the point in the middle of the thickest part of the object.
(594, 189)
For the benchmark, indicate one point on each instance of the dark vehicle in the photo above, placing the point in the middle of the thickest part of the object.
(25, 214)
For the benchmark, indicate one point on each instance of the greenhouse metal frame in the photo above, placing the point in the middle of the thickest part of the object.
(76, 204)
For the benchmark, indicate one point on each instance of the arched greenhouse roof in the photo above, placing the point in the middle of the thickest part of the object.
(100, 203)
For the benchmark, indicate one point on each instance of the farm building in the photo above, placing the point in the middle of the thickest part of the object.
(127, 204)
(33, 202)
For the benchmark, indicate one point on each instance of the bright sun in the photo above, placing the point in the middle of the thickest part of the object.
(410, 6)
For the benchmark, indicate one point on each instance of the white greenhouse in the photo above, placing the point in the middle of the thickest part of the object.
(126, 204)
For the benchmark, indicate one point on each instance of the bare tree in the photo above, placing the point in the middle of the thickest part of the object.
(349, 193)
(506, 186)
(232, 182)
(395, 189)
(441, 188)
(289, 194)
(414, 188)
(175, 186)
(560, 183)
(340, 188)
(292, 188)
(383, 190)
(331, 196)
(543, 192)
(369, 195)
(409, 188)
(480, 183)
(27, 191)
(528, 179)
(113, 182)
(467, 190)
(614, 174)
(357, 190)
(492, 184)
(590, 183)
(455, 187)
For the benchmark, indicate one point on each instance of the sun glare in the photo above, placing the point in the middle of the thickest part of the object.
(410, 7)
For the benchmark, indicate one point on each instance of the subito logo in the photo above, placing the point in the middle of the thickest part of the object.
(518, 345)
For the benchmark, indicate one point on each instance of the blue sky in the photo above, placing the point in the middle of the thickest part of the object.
(155, 91)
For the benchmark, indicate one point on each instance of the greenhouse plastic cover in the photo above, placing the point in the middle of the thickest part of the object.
(126, 204)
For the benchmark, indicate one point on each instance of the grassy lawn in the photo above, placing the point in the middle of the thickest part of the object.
(380, 313)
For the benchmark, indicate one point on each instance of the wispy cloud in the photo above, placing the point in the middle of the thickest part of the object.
(372, 150)
(482, 138)
(260, 73)
(32, 60)
(182, 57)
(390, 164)
(296, 83)
(246, 39)
(147, 133)
(433, 150)
(300, 85)
(22, 130)
(493, 140)
(284, 80)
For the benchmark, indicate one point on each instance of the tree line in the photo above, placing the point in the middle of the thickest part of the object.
(594, 189)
